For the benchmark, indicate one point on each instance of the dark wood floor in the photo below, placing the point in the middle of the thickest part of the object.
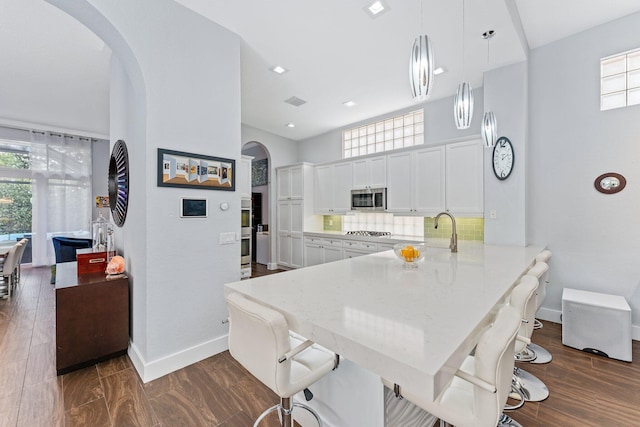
(586, 390)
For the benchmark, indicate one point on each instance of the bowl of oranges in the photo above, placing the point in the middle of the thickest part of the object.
(409, 253)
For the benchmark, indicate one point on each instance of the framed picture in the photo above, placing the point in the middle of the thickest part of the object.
(187, 170)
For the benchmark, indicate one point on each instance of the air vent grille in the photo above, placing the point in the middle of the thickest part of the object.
(295, 101)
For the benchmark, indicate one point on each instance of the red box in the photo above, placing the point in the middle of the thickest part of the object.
(90, 261)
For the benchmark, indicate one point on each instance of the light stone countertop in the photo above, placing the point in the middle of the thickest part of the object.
(411, 327)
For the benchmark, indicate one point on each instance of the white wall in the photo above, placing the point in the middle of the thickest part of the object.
(506, 96)
(185, 95)
(594, 237)
(439, 126)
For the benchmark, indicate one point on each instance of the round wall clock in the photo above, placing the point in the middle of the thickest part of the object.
(503, 158)
(119, 182)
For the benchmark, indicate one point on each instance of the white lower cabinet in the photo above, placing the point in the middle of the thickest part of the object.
(290, 236)
(352, 249)
(319, 251)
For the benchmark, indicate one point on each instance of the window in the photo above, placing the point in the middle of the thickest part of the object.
(45, 189)
(402, 131)
(620, 80)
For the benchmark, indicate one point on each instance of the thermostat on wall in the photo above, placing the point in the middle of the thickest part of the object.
(193, 208)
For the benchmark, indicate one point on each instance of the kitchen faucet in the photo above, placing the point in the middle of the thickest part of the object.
(454, 236)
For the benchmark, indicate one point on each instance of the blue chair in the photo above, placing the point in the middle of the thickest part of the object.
(65, 249)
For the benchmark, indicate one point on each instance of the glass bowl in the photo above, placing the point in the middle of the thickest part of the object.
(409, 253)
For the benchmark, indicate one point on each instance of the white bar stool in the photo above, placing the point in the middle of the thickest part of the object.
(540, 271)
(259, 339)
(522, 299)
(479, 390)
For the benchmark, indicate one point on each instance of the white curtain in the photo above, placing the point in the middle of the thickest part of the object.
(61, 171)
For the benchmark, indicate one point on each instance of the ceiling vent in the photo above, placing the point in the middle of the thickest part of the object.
(295, 101)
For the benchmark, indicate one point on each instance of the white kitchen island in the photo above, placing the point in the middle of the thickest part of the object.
(413, 327)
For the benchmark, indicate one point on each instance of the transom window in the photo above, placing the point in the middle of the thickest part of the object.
(401, 131)
(620, 80)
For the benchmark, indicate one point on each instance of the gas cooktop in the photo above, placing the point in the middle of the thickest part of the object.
(368, 233)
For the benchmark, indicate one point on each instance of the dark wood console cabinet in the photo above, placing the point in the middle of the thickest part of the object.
(92, 318)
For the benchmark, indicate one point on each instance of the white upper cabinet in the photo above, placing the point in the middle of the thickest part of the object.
(415, 181)
(323, 189)
(399, 182)
(290, 182)
(333, 188)
(429, 180)
(370, 172)
(465, 179)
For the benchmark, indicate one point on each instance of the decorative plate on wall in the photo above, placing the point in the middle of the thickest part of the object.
(119, 182)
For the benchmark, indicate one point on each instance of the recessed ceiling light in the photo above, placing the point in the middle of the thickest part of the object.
(278, 69)
(290, 125)
(439, 70)
(376, 8)
(349, 104)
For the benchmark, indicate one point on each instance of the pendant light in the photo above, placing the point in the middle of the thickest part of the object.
(421, 66)
(489, 128)
(463, 103)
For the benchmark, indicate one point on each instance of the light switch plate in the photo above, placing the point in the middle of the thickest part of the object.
(227, 238)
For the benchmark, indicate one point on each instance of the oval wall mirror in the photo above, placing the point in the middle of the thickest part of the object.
(610, 183)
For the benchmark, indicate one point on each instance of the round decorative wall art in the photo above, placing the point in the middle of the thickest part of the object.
(119, 182)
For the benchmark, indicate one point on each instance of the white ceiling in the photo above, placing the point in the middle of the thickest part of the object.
(334, 52)
(54, 72)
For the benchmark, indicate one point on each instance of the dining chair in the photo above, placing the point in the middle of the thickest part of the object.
(65, 250)
(476, 395)
(7, 271)
(260, 340)
(19, 255)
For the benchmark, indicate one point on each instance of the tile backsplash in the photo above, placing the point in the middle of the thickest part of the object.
(332, 222)
(467, 228)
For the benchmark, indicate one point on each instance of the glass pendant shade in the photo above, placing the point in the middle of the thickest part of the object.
(421, 68)
(489, 129)
(463, 106)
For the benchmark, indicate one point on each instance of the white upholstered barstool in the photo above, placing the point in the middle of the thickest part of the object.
(543, 256)
(523, 300)
(259, 339)
(476, 395)
(535, 353)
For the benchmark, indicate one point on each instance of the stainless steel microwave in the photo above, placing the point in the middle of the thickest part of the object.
(371, 199)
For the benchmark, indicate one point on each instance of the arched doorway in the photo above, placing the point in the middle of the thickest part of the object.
(261, 208)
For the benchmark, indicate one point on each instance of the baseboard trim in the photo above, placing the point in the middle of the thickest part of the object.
(149, 371)
(549, 315)
(556, 317)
